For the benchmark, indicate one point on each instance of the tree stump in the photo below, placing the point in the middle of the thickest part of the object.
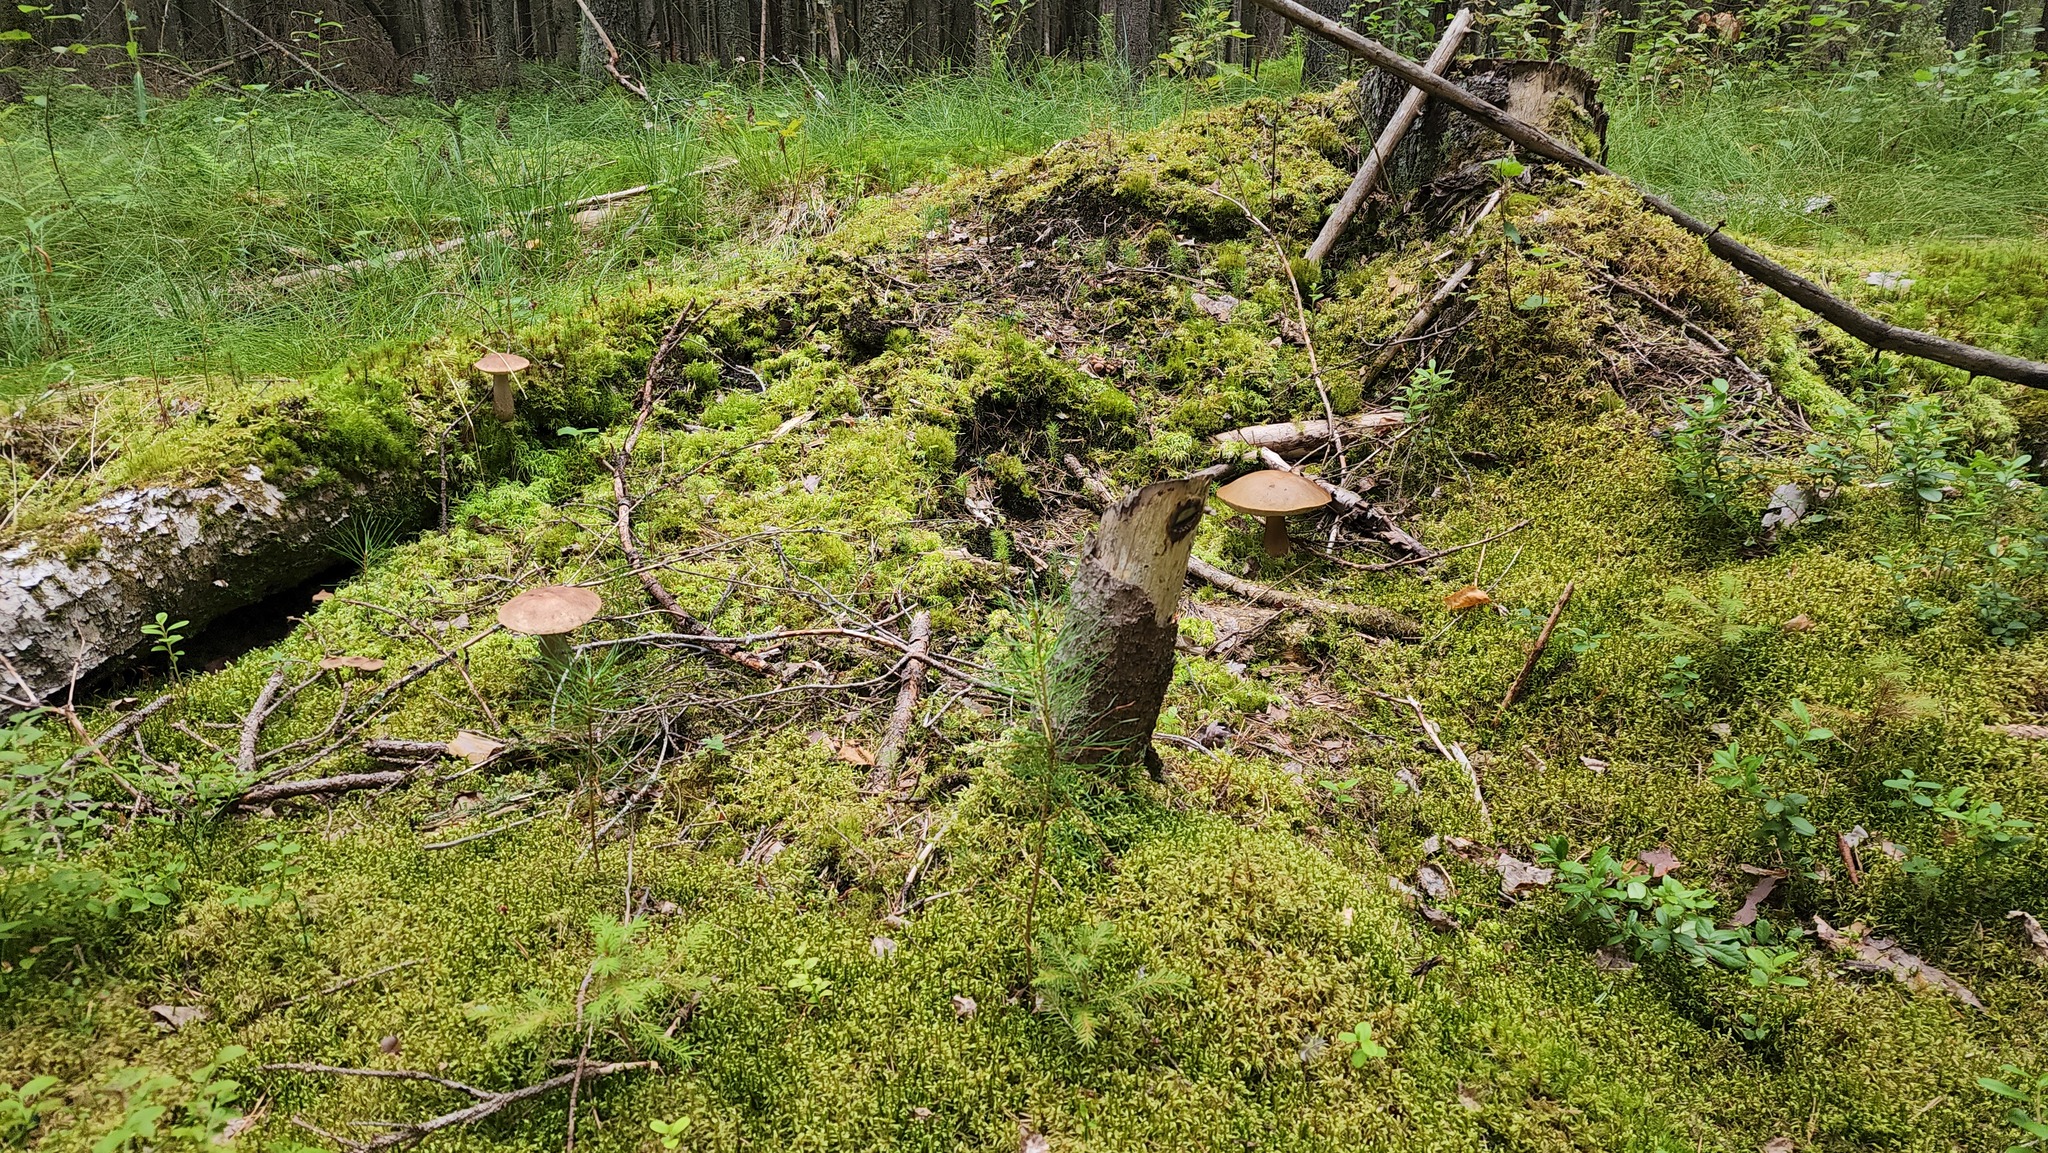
(1441, 164)
(1114, 656)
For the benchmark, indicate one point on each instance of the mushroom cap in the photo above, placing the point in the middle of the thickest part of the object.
(498, 363)
(550, 610)
(1271, 492)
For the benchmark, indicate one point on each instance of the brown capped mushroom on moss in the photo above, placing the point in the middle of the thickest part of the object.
(549, 614)
(500, 366)
(1273, 495)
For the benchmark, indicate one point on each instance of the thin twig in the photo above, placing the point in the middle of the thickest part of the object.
(1535, 652)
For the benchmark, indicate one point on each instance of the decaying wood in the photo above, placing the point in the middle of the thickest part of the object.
(1117, 644)
(1370, 619)
(883, 778)
(252, 724)
(1869, 329)
(393, 751)
(1297, 438)
(1093, 484)
(487, 1102)
(285, 790)
(1417, 324)
(1389, 139)
(1536, 651)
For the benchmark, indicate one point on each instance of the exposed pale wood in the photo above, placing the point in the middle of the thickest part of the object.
(1368, 618)
(883, 778)
(1871, 330)
(1388, 140)
(1115, 652)
(1298, 437)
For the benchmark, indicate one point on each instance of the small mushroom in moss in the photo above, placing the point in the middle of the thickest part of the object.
(500, 366)
(1273, 496)
(549, 614)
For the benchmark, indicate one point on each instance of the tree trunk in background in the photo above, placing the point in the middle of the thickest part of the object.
(884, 27)
(621, 20)
(505, 46)
(1625, 15)
(434, 31)
(1114, 657)
(1321, 63)
(1960, 20)
(1133, 31)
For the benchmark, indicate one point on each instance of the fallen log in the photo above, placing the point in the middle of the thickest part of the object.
(1388, 140)
(1300, 437)
(1871, 330)
(1368, 618)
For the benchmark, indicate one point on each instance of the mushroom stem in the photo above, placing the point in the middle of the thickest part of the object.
(554, 648)
(501, 397)
(1277, 543)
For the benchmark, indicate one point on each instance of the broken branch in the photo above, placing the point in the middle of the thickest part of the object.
(1535, 652)
(1368, 618)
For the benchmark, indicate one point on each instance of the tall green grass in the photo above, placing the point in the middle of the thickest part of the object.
(1953, 154)
(150, 250)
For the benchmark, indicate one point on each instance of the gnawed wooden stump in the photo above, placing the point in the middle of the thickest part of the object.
(1114, 656)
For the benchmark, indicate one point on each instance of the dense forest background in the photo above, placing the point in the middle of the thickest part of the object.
(452, 46)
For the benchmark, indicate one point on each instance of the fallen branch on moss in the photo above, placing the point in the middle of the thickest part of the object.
(1871, 330)
(883, 779)
(1368, 618)
(1298, 437)
(1417, 324)
(320, 786)
(487, 1102)
(1535, 652)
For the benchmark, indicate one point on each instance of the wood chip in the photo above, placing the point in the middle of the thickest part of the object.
(2037, 937)
(474, 747)
(171, 1018)
(365, 664)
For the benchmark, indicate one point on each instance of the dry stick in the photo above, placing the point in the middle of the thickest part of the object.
(285, 790)
(1535, 652)
(883, 778)
(252, 725)
(924, 856)
(1438, 554)
(1869, 329)
(1308, 340)
(1369, 618)
(1417, 324)
(1304, 436)
(480, 836)
(1389, 139)
(322, 77)
(487, 1101)
(623, 499)
(115, 732)
(611, 61)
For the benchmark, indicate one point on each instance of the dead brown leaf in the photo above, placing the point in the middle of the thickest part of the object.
(1758, 894)
(1661, 860)
(473, 747)
(1469, 597)
(1518, 877)
(1800, 624)
(854, 753)
(365, 664)
(1435, 882)
(1779, 1145)
(1885, 955)
(171, 1018)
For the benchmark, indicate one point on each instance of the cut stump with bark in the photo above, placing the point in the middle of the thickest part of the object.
(1114, 655)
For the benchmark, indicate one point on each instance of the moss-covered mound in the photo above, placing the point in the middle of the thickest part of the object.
(1303, 937)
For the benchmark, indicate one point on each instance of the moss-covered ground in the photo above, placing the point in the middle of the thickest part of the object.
(874, 425)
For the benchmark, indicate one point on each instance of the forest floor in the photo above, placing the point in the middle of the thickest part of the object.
(1747, 865)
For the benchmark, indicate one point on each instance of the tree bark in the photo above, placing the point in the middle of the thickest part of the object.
(505, 40)
(1114, 656)
(621, 21)
(435, 31)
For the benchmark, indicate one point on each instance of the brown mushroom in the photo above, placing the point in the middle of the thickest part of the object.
(1273, 496)
(500, 366)
(549, 614)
